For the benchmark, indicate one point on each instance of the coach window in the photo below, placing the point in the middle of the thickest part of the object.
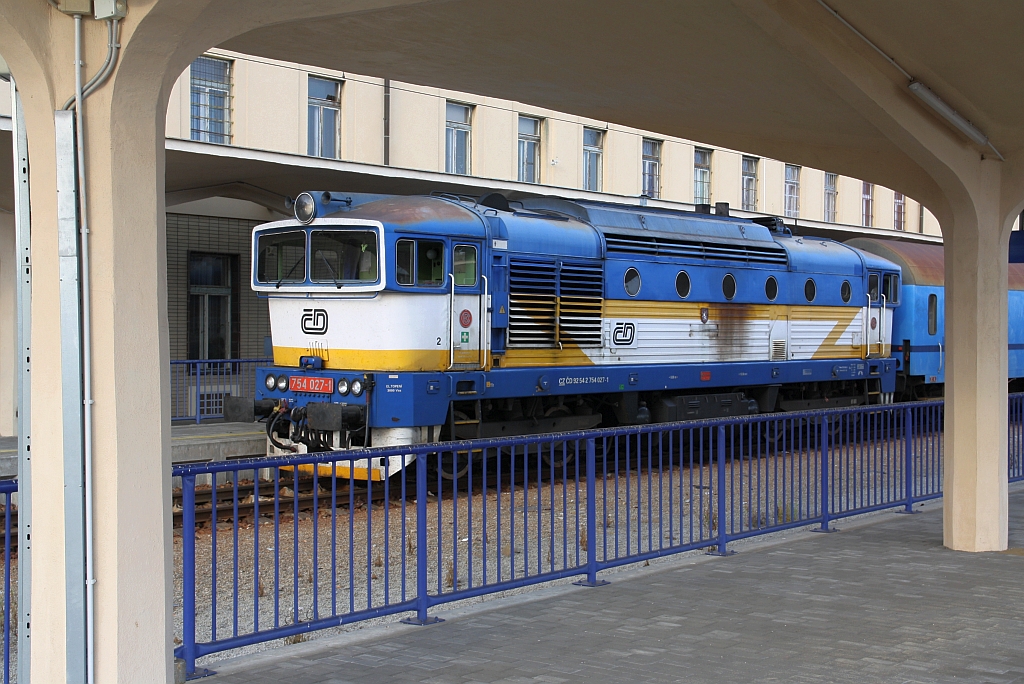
(845, 291)
(891, 288)
(771, 288)
(281, 257)
(810, 290)
(933, 314)
(873, 286)
(683, 284)
(631, 281)
(343, 256)
(464, 265)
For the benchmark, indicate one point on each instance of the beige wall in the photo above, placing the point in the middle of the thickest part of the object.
(5, 100)
(269, 113)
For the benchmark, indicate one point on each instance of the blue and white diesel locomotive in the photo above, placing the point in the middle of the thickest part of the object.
(401, 320)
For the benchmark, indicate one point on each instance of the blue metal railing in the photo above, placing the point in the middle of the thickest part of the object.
(198, 387)
(8, 488)
(287, 546)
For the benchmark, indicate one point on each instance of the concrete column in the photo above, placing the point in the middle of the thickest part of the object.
(8, 328)
(975, 478)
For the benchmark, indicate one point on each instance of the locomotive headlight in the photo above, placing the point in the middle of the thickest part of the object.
(343, 386)
(305, 208)
(357, 387)
(282, 382)
(271, 382)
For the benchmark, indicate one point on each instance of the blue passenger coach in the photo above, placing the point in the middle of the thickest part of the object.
(919, 337)
(410, 319)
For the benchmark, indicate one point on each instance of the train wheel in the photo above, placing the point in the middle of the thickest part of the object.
(454, 464)
(558, 454)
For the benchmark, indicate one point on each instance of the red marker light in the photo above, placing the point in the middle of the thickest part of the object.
(705, 376)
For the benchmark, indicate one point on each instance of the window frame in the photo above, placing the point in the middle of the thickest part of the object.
(451, 132)
(200, 108)
(524, 142)
(899, 211)
(702, 157)
(590, 151)
(933, 314)
(476, 264)
(831, 209)
(867, 204)
(650, 178)
(791, 191)
(749, 194)
(320, 105)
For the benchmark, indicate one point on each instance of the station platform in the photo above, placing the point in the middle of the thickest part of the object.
(189, 443)
(881, 601)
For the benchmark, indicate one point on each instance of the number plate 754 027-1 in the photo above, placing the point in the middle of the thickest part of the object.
(310, 383)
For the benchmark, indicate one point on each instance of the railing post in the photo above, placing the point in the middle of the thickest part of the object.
(591, 580)
(824, 443)
(422, 599)
(908, 459)
(188, 571)
(199, 412)
(723, 538)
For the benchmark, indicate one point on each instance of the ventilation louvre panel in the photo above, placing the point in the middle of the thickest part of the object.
(778, 350)
(553, 304)
(695, 249)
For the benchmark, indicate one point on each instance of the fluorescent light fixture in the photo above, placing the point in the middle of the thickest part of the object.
(926, 95)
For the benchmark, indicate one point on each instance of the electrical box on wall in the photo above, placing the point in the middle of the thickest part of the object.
(75, 6)
(110, 9)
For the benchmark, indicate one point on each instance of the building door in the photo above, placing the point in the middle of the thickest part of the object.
(211, 302)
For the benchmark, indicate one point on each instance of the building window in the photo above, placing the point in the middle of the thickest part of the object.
(920, 218)
(457, 138)
(529, 149)
(701, 176)
(593, 151)
(792, 191)
(899, 211)
(750, 183)
(212, 306)
(652, 168)
(324, 114)
(867, 204)
(831, 196)
(211, 100)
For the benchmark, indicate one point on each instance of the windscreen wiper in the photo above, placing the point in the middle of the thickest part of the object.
(289, 273)
(327, 263)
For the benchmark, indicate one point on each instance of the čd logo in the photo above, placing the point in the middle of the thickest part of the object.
(623, 334)
(314, 321)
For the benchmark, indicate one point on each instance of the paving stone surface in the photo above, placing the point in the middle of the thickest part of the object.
(881, 601)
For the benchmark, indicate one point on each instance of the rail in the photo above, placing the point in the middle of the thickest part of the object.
(526, 511)
(8, 490)
(198, 387)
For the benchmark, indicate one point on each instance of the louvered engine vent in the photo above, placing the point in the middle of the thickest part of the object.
(552, 303)
(763, 253)
(778, 350)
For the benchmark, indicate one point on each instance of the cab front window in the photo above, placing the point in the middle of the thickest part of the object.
(339, 256)
(464, 265)
(281, 257)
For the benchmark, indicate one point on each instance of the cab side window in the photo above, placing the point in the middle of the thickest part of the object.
(419, 262)
(891, 288)
(873, 286)
(464, 265)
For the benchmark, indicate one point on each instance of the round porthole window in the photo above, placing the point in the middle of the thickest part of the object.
(771, 288)
(846, 291)
(729, 286)
(810, 290)
(631, 281)
(683, 284)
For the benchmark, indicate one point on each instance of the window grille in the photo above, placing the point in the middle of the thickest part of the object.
(792, 191)
(593, 151)
(323, 118)
(831, 196)
(867, 204)
(457, 138)
(899, 211)
(211, 100)
(529, 149)
(701, 176)
(750, 183)
(652, 168)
